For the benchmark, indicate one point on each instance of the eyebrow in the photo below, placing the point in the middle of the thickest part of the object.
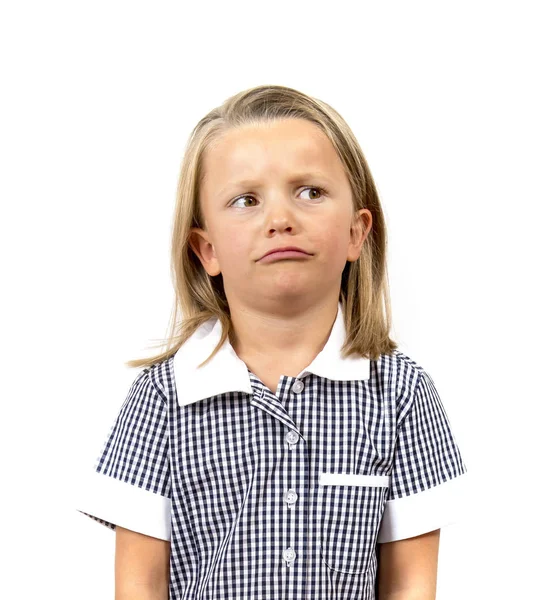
(297, 178)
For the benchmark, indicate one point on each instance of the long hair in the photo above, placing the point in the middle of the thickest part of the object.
(199, 297)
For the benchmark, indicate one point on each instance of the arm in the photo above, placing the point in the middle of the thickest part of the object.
(142, 566)
(407, 568)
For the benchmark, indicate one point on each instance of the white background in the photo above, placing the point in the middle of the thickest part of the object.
(453, 103)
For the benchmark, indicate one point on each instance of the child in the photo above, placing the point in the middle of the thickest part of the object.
(282, 446)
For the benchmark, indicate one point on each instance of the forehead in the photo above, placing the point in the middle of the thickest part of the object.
(270, 149)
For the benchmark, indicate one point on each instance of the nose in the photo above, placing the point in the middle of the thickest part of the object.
(279, 216)
(277, 224)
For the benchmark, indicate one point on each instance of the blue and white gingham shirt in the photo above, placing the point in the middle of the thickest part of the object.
(277, 496)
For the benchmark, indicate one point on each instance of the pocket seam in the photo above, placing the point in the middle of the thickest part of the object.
(354, 479)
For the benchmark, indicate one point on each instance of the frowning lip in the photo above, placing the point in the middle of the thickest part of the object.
(284, 249)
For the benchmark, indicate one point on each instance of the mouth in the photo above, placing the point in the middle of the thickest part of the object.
(283, 255)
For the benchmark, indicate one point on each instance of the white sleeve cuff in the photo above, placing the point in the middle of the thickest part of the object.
(426, 511)
(123, 504)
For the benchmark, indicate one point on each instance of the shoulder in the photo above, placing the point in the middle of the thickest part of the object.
(400, 366)
(161, 378)
(404, 374)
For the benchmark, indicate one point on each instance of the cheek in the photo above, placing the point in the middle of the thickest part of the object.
(231, 249)
(333, 240)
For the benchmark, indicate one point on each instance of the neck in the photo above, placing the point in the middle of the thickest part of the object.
(294, 336)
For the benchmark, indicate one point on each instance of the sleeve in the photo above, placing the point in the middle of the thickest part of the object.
(130, 483)
(428, 481)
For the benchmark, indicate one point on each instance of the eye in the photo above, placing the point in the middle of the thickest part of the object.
(240, 197)
(321, 192)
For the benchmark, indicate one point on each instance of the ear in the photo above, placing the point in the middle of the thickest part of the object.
(361, 226)
(200, 243)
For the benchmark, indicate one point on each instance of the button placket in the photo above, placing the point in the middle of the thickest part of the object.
(291, 497)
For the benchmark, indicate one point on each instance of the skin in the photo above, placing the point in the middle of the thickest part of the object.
(142, 566)
(283, 311)
(407, 569)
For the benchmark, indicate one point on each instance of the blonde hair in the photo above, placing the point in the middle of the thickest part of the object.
(364, 293)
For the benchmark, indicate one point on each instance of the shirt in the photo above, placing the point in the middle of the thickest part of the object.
(277, 496)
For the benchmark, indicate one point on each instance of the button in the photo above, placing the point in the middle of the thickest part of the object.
(298, 386)
(289, 555)
(290, 497)
(292, 437)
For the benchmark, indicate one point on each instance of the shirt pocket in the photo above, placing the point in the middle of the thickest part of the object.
(351, 508)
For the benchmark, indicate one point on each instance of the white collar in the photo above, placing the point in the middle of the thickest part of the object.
(226, 372)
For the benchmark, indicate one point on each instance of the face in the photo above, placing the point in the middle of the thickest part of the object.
(275, 185)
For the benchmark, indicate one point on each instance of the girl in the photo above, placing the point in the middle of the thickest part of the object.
(281, 446)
